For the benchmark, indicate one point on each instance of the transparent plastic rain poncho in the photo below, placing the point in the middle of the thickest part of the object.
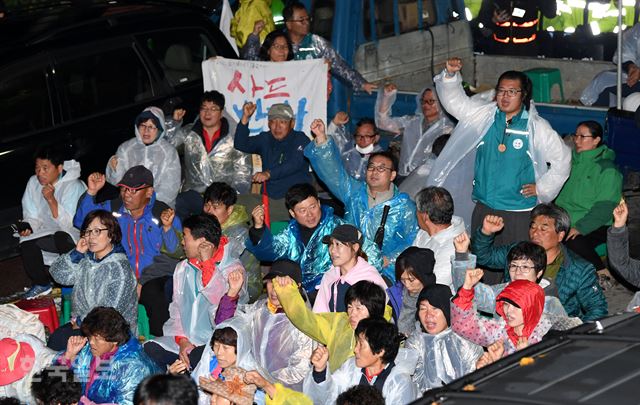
(355, 163)
(35, 209)
(160, 157)
(193, 309)
(416, 142)
(244, 358)
(224, 163)
(281, 350)
(108, 282)
(454, 168)
(443, 357)
(398, 389)
(401, 225)
(609, 78)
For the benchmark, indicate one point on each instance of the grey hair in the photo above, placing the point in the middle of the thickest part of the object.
(437, 203)
(558, 214)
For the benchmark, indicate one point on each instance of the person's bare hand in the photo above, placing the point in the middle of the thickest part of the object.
(471, 278)
(25, 232)
(369, 87)
(390, 89)
(74, 345)
(139, 290)
(319, 131)
(453, 65)
(496, 350)
(633, 75)
(261, 177)
(178, 114)
(205, 251)
(247, 111)
(83, 245)
(95, 183)
(462, 242)
(178, 367)
(255, 378)
(185, 348)
(484, 360)
(573, 232)
(166, 217)
(492, 224)
(47, 192)
(620, 215)
(319, 358)
(258, 26)
(522, 343)
(218, 400)
(258, 216)
(385, 261)
(236, 279)
(529, 190)
(113, 162)
(341, 118)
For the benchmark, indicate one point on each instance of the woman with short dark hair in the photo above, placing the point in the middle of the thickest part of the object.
(100, 273)
(112, 364)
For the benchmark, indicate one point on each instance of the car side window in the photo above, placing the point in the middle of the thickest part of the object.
(97, 82)
(179, 53)
(24, 103)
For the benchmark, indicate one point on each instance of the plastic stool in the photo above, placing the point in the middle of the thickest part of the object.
(65, 310)
(278, 226)
(45, 308)
(143, 323)
(543, 80)
(601, 250)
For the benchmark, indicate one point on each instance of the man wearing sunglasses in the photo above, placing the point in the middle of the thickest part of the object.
(150, 229)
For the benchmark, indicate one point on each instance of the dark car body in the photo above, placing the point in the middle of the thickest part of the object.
(595, 363)
(76, 76)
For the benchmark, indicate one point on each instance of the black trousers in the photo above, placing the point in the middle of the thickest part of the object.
(156, 297)
(60, 242)
(166, 358)
(58, 339)
(585, 246)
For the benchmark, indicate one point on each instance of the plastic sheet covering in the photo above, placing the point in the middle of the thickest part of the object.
(398, 389)
(601, 81)
(109, 282)
(416, 141)
(160, 157)
(14, 321)
(443, 357)
(354, 162)
(224, 163)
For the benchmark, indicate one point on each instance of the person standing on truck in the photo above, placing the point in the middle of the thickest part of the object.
(502, 149)
(511, 27)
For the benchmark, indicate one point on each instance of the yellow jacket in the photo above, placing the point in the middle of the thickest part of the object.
(246, 16)
(287, 396)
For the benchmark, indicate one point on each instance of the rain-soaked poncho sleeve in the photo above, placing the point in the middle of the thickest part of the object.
(339, 67)
(169, 171)
(384, 120)
(340, 136)
(115, 175)
(466, 322)
(66, 269)
(453, 98)
(174, 133)
(630, 46)
(485, 295)
(286, 396)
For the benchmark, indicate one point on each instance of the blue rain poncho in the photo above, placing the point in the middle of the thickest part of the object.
(443, 357)
(398, 388)
(416, 141)
(355, 163)
(160, 157)
(401, 226)
(454, 168)
(108, 282)
(314, 257)
(119, 377)
(193, 308)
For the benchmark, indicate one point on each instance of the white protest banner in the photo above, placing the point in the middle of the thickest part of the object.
(301, 84)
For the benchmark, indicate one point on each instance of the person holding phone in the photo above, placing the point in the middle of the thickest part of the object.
(48, 205)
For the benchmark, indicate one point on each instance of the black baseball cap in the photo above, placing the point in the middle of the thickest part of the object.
(283, 268)
(137, 177)
(344, 233)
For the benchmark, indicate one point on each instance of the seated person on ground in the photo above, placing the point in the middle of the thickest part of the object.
(365, 200)
(48, 205)
(378, 362)
(414, 271)
(573, 277)
(301, 240)
(150, 232)
(444, 355)
(56, 385)
(100, 274)
(199, 281)
(151, 150)
(166, 389)
(108, 360)
(592, 191)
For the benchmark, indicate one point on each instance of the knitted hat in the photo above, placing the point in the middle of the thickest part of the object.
(439, 296)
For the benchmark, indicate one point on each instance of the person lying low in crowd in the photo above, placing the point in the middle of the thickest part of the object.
(151, 150)
(573, 277)
(150, 234)
(365, 201)
(444, 355)
(48, 205)
(301, 240)
(378, 362)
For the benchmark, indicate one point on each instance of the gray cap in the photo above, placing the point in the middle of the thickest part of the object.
(281, 111)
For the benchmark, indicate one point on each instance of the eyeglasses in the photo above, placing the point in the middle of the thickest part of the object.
(302, 20)
(143, 127)
(280, 47)
(364, 136)
(521, 269)
(581, 137)
(132, 191)
(93, 232)
(508, 92)
(210, 109)
(212, 205)
(430, 102)
(379, 169)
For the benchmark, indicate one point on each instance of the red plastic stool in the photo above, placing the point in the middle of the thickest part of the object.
(45, 308)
